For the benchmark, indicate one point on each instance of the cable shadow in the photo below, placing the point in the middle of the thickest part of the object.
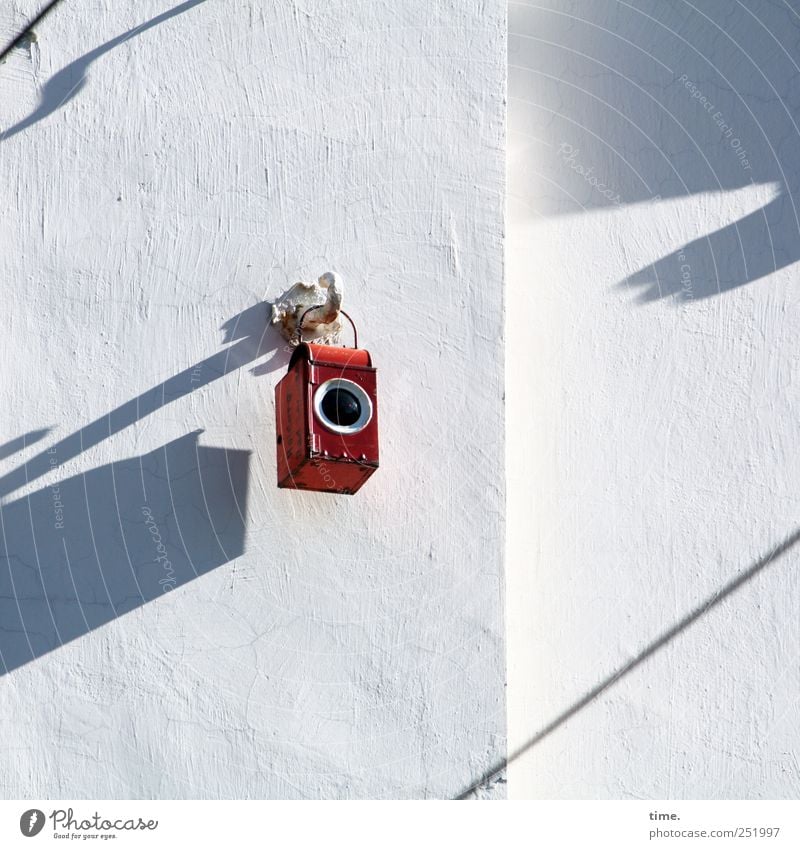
(67, 83)
(88, 549)
(252, 338)
(704, 607)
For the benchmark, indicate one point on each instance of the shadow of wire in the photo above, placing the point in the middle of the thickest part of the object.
(64, 85)
(668, 635)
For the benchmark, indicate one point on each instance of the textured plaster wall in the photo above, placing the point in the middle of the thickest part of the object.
(654, 160)
(157, 190)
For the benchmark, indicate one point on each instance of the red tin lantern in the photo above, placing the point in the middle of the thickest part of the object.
(326, 413)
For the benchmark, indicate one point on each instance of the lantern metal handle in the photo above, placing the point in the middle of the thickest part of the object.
(341, 312)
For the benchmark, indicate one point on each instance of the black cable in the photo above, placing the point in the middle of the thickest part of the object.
(31, 24)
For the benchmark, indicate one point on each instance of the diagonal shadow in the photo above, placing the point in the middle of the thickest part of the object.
(85, 550)
(65, 85)
(14, 445)
(88, 549)
(253, 338)
(704, 607)
(747, 250)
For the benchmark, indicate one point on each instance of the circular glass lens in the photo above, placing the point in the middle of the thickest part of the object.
(341, 407)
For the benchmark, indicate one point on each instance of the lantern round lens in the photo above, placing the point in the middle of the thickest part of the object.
(342, 406)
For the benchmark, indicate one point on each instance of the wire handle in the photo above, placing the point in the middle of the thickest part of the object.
(342, 312)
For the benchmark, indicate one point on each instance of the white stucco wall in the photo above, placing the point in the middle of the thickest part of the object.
(157, 191)
(653, 398)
